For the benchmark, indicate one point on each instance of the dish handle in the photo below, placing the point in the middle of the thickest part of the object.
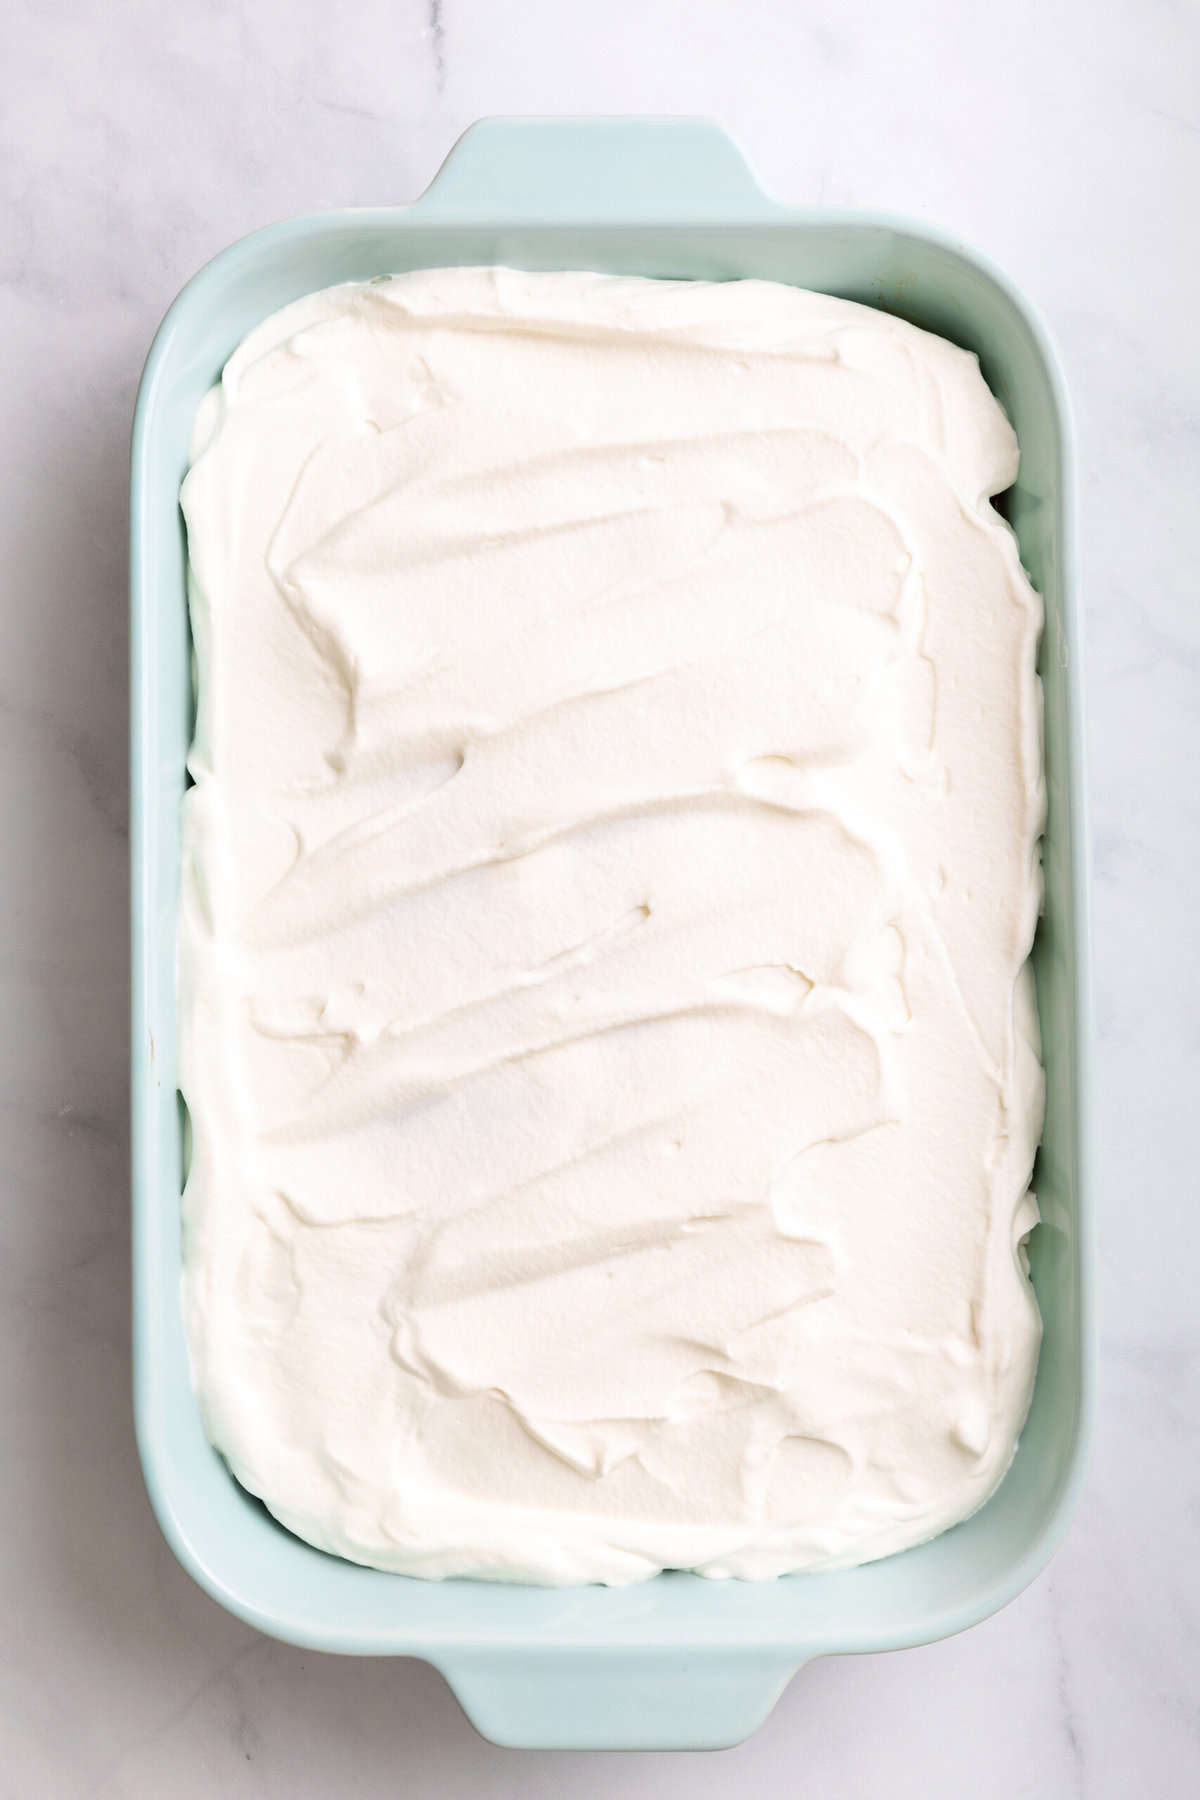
(706, 1699)
(595, 171)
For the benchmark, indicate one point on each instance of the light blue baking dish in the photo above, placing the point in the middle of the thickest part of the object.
(678, 1661)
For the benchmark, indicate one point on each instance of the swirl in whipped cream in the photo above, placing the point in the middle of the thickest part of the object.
(606, 1024)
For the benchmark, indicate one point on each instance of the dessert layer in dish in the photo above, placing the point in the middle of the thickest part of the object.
(606, 1027)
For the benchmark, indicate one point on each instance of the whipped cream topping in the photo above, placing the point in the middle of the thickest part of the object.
(611, 1054)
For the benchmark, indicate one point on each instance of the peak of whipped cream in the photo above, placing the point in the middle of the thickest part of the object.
(606, 1027)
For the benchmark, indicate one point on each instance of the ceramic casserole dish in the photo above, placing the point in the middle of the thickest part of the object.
(678, 1661)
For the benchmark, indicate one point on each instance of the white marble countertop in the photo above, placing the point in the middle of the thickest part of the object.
(1062, 137)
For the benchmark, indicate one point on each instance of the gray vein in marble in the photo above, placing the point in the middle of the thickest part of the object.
(348, 111)
(85, 755)
(1179, 121)
(437, 37)
(77, 1121)
(1156, 645)
(225, 1675)
(1064, 1694)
